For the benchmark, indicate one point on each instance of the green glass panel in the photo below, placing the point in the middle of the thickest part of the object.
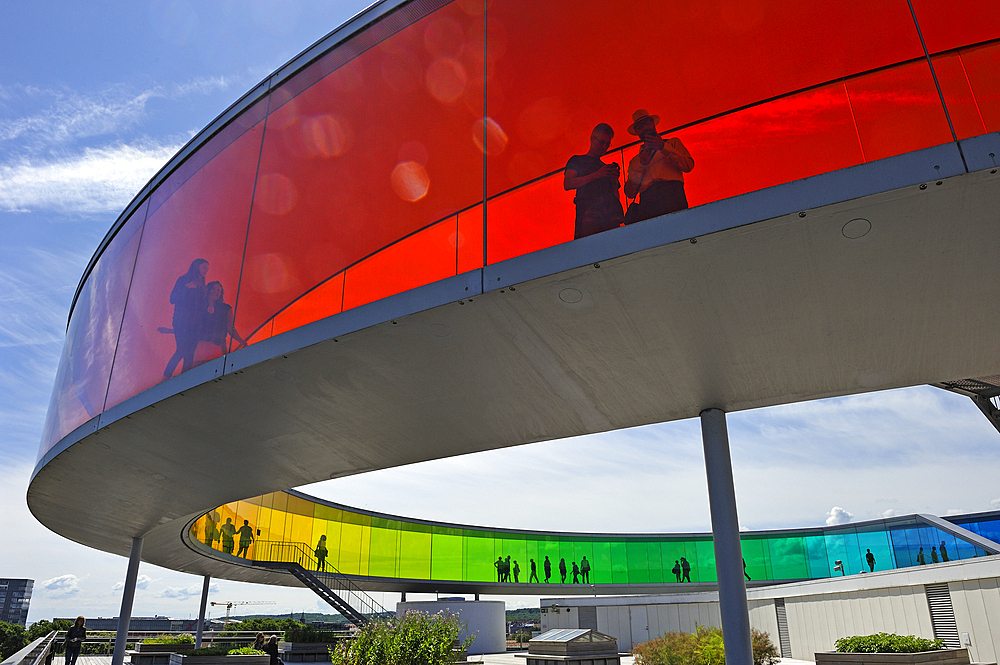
(383, 552)
(789, 559)
(446, 562)
(638, 567)
(414, 555)
(656, 573)
(516, 549)
(479, 558)
(531, 552)
(704, 571)
(619, 563)
(549, 549)
(350, 549)
(586, 549)
(753, 557)
(671, 552)
(601, 573)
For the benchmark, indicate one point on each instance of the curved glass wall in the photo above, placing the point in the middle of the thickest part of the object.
(373, 545)
(436, 140)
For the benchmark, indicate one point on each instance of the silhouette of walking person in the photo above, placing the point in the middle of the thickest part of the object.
(585, 571)
(506, 569)
(534, 572)
(211, 531)
(562, 570)
(921, 559)
(598, 207)
(517, 569)
(576, 573)
(75, 637)
(547, 567)
(870, 558)
(498, 564)
(944, 552)
(228, 531)
(934, 556)
(686, 570)
(676, 570)
(321, 553)
(219, 323)
(745, 574)
(246, 537)
(188, 299)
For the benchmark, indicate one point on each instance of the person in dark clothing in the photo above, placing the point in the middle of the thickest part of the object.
(498, 564)
(870, 558)
(218, 325)
(685, 570)
(745, 573)
(258, 641)
(598, 207)
(517, 570)
(676, 570)
(534, 572)
(271, 649)
(934, 556)
(656, 174)
(321, 552)
(547, 567)
(228, 530)
(921, 558)
(246, 537)
(585, 571)
(576, 573)
(75, 637)
(188, 299)
(562, 570)
(506, 570)
(944, 552)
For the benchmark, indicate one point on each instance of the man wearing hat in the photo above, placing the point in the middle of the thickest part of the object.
(598, 206)
(656, 174)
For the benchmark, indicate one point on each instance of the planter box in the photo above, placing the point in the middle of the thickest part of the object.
(305, 652)
(164, 648)
(181, 659)
(938, 657)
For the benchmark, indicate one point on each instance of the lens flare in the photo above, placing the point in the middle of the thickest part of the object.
(443, 37)
(410, 181)
(326, 135)
(276, 194)
(446, 80)
(496, 137)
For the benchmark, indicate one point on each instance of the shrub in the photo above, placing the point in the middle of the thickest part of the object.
(44, 627)
(183, 638)
(208, 651)
(886, 643)
(306, 634)
(703, 647)
(12, 639)
(416, 639)
(246, 651)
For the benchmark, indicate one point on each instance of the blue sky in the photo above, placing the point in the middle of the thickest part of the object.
(95, 97)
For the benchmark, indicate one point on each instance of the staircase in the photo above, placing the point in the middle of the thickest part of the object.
(329, 584)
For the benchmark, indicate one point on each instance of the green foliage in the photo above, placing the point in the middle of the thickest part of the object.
(13, 638)
(306, 634)
(704, 647)
(416, 639)
(44, 627)
(886, 643)
(183, 638)
(246, 651)
(208, 651)
(268, 624)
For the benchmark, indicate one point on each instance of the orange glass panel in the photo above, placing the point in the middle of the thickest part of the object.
(424, 257)
(898, 110)
(325, 300)
(203, 220)
(957, 92)
(954, 24)
(982, 65)
(470, 239)
(352, 161)
(85, 368)
(531, 218)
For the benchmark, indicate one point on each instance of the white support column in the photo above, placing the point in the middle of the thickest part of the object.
(726, 535)
(128, 595)
(201, 611)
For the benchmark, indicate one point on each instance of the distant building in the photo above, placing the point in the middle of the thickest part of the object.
(154, 623)
(15, 594)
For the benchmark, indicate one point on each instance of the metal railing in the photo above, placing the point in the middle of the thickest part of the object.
(35, 653)
(102, 642)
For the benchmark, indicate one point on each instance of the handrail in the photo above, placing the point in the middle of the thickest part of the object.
(106, 637)
(30, 654)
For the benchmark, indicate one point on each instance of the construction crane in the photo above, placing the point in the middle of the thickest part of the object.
(229, 606)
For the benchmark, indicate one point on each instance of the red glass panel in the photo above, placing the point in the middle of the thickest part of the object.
(375, 150)
(325, 300)
(531, 218)
(424, 257)
(954, 24)
(85, 368)
(205, 218)
(982, 65)
(470, 239)
(898, 110)
(957, 92)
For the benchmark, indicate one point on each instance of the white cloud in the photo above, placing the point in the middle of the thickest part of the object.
(185, 593)
(63, 585)
(141, 582)
(957, 511)
(98, 180)
(995, 503)
(838, 515)
(891, 512)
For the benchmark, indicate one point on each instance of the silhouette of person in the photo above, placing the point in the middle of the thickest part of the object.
(562, 570)
(517, 569)
(498, 564)
(188, 299)
(75, 637)
(934, 556)
(211, 532)
(218, 324)
(656, 174)
(745, 574)
(944, 552)
(228, 531)
(321, 553)
(576, 573)
(271, 649)
(506, 569)
(921, 559)
(598, 207)
(534, 572)
(870, 558)
(676, 570)
(547, 567)
(686, 570)
(585, 571)
(246, 537)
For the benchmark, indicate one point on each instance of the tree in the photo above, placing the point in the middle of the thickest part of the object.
(12, 639)
(44, 627)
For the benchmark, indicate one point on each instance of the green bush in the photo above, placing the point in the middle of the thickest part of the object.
(886, 643)
(703, 647)
(246, 651)
(43, 628)
(416, 639)
(305, 634)
(13, 638)
(208, 651)
(183, 638)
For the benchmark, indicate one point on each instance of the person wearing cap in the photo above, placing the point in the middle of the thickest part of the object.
(656, 174)
(598, 206)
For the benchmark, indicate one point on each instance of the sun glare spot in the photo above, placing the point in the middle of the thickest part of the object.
(326, 135)
(496, 137)
(410, 181)
(276, 194)
(446, 80)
